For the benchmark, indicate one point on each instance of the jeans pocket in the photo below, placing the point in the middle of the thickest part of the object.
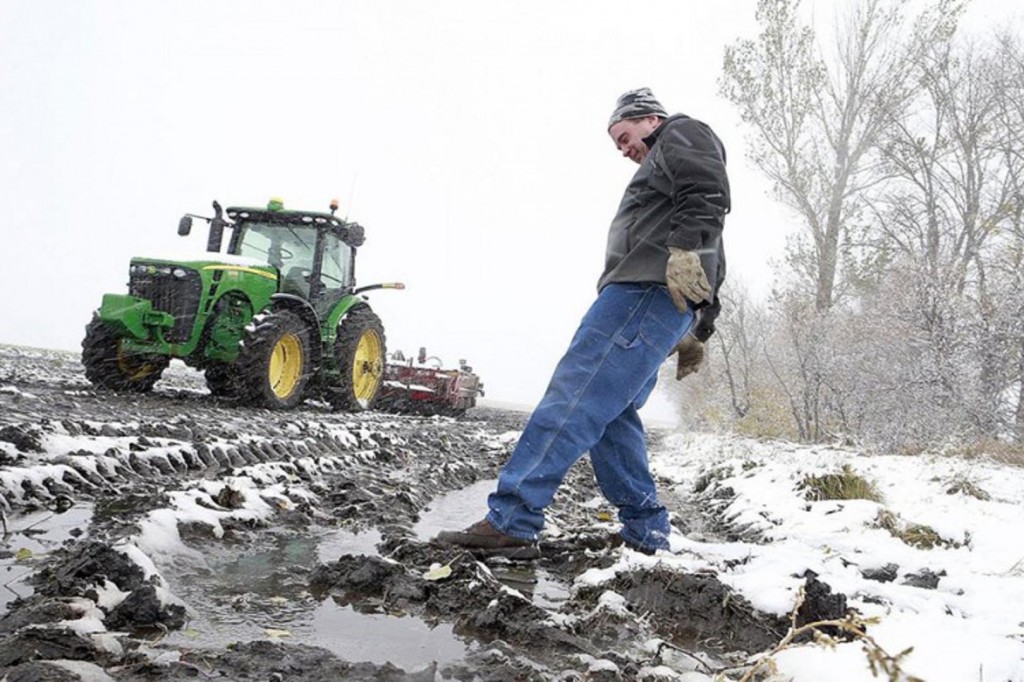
(662, 324)
(628, 336)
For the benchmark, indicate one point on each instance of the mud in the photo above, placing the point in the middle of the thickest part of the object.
(173, 535)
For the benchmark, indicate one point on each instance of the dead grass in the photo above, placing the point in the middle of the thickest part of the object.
(708, 477)
(961, 484)
(913, 534)
(844, 485)
(1011, 454)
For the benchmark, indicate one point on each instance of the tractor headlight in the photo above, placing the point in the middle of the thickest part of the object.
(164, 271)
(179, 273)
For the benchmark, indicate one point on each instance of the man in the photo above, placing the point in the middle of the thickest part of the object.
(664, 251)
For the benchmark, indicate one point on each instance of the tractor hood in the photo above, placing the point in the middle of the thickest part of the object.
(166, 296)
(206, 262)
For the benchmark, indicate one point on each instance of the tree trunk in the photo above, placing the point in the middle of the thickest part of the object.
(1020, 395)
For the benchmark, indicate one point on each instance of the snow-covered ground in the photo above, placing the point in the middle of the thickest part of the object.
(175, 474)
(968, 629)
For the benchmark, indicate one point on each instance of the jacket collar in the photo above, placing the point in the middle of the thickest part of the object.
(653, 137)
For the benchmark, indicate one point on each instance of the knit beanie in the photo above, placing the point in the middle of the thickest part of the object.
(636, 104)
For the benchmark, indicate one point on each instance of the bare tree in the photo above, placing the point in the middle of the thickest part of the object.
(953, 177)
(816, 123)
(902, 151)
(1009, 84)
(741, 326)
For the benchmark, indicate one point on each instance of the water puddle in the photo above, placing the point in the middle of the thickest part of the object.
(341, 542)
(532, 582)
(259, 592)
(243, 594)
(457, 509)
(29, 538)
(409, 643)
(468, 505)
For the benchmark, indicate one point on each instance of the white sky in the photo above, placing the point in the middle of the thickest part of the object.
(468, 137)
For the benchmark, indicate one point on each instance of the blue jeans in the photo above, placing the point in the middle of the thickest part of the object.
(591, 404)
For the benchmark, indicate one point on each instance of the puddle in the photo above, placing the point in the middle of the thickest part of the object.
(29, 537)
(454, 510)
(468, 505)
(409, 643)
(534, 583)
(237, 594)
(341, 542)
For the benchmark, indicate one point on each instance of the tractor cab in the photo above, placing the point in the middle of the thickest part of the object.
(314, 253)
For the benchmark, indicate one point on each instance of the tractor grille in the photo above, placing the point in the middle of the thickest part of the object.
(175, 294)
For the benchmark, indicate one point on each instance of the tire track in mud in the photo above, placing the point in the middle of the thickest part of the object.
(178, 470)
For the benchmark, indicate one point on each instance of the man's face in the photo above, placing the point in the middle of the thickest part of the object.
(628, 136)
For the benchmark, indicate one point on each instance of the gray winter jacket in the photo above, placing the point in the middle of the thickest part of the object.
(678, 197)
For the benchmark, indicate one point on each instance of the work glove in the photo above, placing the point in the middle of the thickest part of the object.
(686, 278)
(690, 356)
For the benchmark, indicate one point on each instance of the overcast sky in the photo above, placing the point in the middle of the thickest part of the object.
(467, 137)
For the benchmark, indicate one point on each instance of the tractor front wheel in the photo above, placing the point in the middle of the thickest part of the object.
(220, 379)
(274, 364)
(360, 354)
(108, 365)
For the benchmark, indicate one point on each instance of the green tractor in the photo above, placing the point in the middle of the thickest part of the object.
(276, 319)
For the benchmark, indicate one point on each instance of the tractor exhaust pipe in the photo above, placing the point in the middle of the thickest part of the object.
(213, 242)
(217, 225)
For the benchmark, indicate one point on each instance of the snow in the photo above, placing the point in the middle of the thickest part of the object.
(614, 603)
(86, 672)
(108, 595)
(140, 559)
(13, 479)
(596, 665)
(970, 628)
(17, 393)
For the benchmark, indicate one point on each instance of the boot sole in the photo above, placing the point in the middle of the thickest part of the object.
(520, 553)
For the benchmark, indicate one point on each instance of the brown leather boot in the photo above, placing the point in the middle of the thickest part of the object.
(616, 540)
(482, 538)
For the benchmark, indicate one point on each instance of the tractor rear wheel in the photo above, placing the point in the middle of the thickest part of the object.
(360, 354)
(275, 361)
(108, 365)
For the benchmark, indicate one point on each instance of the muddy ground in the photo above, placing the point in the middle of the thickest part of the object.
(176, 536)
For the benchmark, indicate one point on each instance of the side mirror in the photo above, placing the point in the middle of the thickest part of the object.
(185, 226)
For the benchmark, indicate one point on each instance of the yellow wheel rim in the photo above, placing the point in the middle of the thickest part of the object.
(286, 366)
(131, 371)
(368, 367)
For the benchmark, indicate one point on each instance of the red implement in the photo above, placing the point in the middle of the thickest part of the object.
(423, 386)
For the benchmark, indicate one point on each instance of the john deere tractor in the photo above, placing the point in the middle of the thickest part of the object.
(276, 319)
